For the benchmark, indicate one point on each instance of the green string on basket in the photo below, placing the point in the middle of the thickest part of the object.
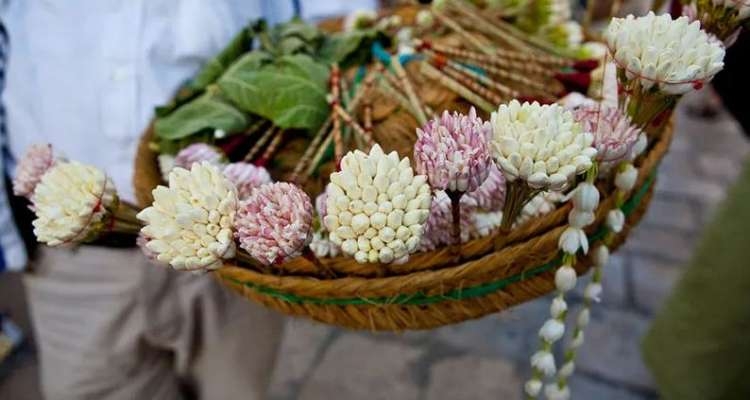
(419, 299)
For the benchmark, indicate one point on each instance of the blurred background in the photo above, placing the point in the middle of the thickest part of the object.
(488, 358)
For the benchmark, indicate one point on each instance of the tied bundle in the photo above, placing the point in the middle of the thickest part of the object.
(74, 203)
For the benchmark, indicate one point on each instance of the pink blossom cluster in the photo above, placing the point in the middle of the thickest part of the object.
(453, 152)
(37, 160)
(246, 177)
(274, 223)
(196, 153)
(614, 135)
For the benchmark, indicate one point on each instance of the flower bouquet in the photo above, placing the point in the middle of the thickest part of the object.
(74, 203)
(722, 18)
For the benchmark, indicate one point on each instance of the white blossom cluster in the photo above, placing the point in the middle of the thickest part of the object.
(674, 56)
(540, 144)
(376, 207)
(190, 223)
(71, 203)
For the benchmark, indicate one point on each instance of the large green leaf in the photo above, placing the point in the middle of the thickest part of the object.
(217, 65)
(290, 92)
(205, 112)
(350, 48)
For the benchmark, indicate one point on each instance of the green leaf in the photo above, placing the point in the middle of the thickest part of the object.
(205, 112)
(217, 65)
(349, 48)
(290, 92)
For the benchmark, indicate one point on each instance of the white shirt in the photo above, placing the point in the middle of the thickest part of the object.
(85, 75)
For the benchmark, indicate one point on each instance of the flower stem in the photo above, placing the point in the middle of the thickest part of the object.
(308, 254)
(517, 194)
(455, 197)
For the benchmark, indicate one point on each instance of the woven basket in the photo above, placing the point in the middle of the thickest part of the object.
(433, 288)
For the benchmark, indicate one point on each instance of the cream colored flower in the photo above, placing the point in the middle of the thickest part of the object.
(552, 330)
(615, 220)
(626, 178)
(565, 278)
(567, 369)
(544, 361)
(377, 207)
(72, 202)
(540, 144)
(553, 391)
(533, 387)
(674, 56)
(190, 222)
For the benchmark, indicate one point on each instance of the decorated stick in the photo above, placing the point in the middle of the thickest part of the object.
(338, 142)
(503, 53)
(469, 83)
(480, 23)
(484, 79)
(353, 124)
(319, 154)
(271, 149)
(259, 144)
(435, 74)
(398, 69)
(470, 39)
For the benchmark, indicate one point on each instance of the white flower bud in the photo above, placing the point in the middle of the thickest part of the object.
(593, 291)
(586, 197)
(577, 340)
(541, 144)
(558, 307)
(583, 318)
(573, 239)
(553, 391)
(552, 330)
(544, 361)
(567, 369)
(615, 220)
(625, 179)
(640, 146)
(533, 387)
(601, 255)
(565, 278)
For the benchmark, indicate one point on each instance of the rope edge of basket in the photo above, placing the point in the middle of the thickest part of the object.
(418, 299)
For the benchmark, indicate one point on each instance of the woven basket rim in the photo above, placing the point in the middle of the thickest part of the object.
(421, 298)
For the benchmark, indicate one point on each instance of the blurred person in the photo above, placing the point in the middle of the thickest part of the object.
(85, 76)
(697, 347)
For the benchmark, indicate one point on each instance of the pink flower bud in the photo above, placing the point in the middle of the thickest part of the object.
(196, 153)
(274, 223)
(38, 159)
(246, 177)
(453, 151)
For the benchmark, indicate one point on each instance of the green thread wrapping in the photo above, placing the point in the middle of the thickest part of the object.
(419, 299)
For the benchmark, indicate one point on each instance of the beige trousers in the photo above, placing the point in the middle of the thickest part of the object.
(111, 326)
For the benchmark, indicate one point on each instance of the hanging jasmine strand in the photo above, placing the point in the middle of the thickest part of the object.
(585, 200)
(624, 182)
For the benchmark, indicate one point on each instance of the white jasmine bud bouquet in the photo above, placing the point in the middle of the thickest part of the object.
(537, 147)
(76, 203)
(722, 18)
(660, 59)
(191, 221)
(376, 207)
